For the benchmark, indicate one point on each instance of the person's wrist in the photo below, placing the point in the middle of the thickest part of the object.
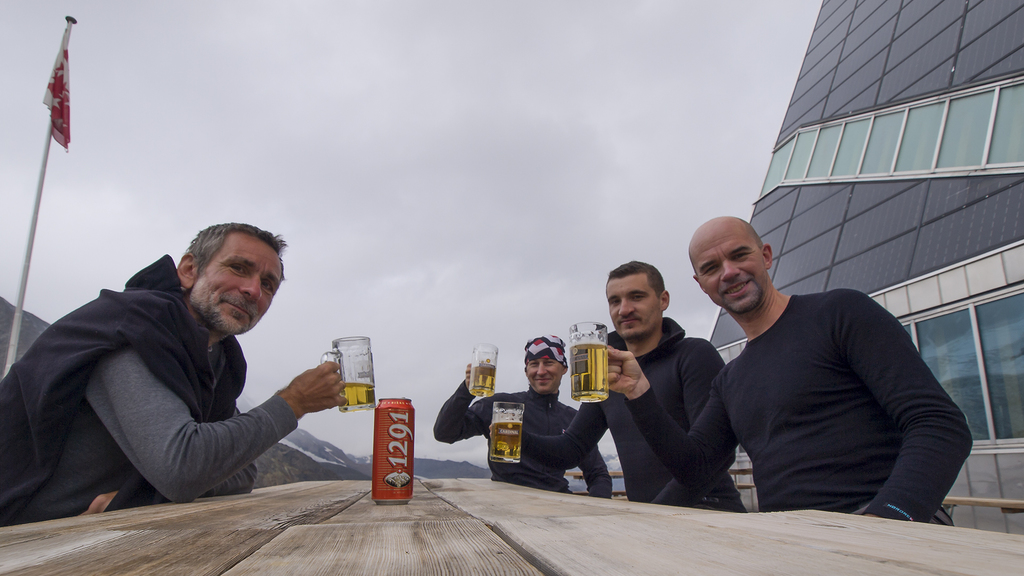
(292, 401)
(638, 389)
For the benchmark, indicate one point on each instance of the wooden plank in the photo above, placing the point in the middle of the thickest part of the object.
(482, 498)
(922, 546)
(203, 537)
(165, 552)
(615, 537)
(273, 508)
(483, 527)
(450, 546)
(424, 506)
(640, 544)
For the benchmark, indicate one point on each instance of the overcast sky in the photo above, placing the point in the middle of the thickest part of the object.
(445, 173)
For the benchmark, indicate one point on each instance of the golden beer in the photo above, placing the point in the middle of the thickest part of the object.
(360, 397)
(481, 380)
(506, 440)
(589, 364)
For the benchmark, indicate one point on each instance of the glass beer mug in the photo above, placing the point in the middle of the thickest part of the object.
(356, 361)
(483, 368)
(588, 361)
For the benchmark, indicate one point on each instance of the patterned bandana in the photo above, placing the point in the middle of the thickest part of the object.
(549, 346)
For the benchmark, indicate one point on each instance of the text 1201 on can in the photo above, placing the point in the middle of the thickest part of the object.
(393, 425)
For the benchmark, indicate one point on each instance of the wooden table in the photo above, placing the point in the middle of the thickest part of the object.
(482, 527)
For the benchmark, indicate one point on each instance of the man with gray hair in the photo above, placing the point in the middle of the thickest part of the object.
(130, 400)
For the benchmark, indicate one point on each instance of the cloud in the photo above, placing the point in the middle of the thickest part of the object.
(445, 173)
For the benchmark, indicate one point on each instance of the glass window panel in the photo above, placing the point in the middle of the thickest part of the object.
(777, 168)
(801, 154)
(1008, 133)
(919, 138)
(882, 144)
(821, 160)
(963, 140)
(947, 346)
(1001, 324)
(851, 147)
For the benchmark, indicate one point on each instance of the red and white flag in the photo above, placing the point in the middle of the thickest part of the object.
(57, 97)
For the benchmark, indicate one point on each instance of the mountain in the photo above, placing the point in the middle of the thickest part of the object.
(31, 328)
(353, 468)
(427, 468)
(283, 465)
(327, 455)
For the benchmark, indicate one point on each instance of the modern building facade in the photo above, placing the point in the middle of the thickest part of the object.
(899, 171)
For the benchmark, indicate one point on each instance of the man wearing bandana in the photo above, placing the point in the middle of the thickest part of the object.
(544, 415)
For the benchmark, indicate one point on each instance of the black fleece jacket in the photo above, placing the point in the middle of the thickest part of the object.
(42, 392)
(543, 414)
(680, 371)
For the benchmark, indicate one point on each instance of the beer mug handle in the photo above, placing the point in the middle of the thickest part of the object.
(332, 356)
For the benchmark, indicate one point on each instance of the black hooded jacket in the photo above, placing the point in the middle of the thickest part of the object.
(42, 392)
(680, 371)
(544, 415)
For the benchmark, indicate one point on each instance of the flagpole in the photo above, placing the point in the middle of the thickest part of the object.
(12, 345)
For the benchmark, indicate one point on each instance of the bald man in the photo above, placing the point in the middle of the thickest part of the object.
(830, 398)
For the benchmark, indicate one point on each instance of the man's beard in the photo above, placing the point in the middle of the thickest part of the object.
(640, 333)
(751, 302)
(213, 318)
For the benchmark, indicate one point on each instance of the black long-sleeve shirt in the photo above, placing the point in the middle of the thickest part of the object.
(680, 370)
(835, 408)
(543, 414)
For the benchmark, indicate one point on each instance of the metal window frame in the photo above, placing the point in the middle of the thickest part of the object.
(938, 137)
(935, 151)
(988, 149)
(864, 150)
(982, 381)
(827, 176)
(899, 142)
(817, 132)
(983, 373)
(991, 126)
(835, 153)
(899, 134)
(988, 136)
(765, 192)
(796, 141)
(971, 306)
(985, 166)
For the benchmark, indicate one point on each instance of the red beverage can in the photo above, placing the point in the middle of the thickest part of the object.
(394, 421)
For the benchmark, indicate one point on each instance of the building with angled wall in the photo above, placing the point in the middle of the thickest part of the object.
(899, 171)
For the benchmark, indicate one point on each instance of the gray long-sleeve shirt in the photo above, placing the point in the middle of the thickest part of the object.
(129, 419)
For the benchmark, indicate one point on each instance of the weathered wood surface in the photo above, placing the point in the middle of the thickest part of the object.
(567, 535)
(483, 527)
(205, 537)
(426, 536)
